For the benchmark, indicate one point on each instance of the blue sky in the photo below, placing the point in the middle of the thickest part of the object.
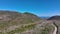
(38, 7)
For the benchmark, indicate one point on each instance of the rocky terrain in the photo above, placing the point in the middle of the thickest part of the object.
(12, 22)
(56, 19)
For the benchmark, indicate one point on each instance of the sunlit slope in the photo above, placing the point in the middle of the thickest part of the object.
(12, 18)
(22, 23)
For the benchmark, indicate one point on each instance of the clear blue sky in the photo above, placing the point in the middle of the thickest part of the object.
(38, 7)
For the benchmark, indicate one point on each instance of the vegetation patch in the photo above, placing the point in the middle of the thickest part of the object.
(23, 28)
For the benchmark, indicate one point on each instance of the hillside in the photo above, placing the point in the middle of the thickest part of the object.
(12, 18)
(12, 22)
(6, 16)
(54, 18)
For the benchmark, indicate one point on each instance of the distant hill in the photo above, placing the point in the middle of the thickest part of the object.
(54, 18)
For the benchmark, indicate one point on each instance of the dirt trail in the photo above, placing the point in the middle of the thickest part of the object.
(55, 31)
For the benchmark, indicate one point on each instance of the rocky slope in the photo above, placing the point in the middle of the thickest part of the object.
(56, 20)
(12, 22)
